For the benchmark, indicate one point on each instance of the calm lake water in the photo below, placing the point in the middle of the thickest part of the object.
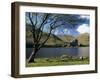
(57, 52)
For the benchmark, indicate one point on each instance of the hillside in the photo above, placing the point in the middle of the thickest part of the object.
(83, 39)
(66, 38)
(53, 39)
(58, 40)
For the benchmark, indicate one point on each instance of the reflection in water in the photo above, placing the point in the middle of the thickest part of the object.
(56, 52)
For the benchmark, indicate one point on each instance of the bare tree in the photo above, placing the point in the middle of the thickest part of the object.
(38, 22)
(41, 21)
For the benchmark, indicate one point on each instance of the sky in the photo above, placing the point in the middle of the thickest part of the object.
(84, 28)
(80, 28)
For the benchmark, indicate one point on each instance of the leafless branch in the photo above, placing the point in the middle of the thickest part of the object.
(33, 27)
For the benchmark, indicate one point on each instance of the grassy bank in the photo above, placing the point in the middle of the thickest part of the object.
(58, 61)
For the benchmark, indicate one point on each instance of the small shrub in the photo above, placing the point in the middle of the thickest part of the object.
(47, 59)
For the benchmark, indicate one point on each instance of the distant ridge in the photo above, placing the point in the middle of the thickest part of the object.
(83, 39)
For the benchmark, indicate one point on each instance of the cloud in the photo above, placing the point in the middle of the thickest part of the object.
(83, 28)
(65, 30)
(87, 17)
(60, 31)
(56, 32)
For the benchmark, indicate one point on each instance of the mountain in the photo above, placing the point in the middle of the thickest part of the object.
(66, 38)
(83, 39)
(55, 40)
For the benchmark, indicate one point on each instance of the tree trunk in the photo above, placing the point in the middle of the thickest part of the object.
(32, 56)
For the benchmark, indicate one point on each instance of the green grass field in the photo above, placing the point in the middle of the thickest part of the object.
(57, 61)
